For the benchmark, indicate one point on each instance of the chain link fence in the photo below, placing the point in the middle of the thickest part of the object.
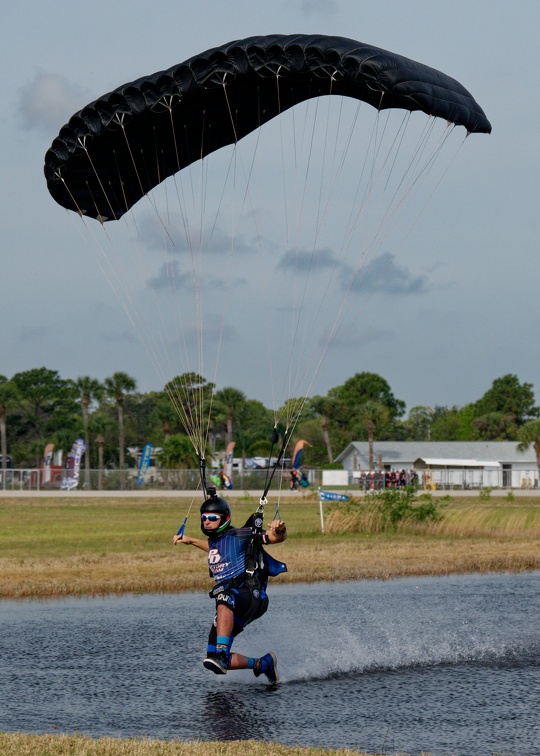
(189, 480)
(165, 480)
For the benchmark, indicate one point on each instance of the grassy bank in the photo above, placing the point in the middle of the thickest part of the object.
(54, 547)
(14, 744)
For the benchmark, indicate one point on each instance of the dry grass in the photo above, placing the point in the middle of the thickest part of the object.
(15, 744)
(113, 547)
(456, 518)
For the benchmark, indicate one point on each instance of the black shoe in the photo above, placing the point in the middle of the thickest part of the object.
(271, 668)
(217, 662)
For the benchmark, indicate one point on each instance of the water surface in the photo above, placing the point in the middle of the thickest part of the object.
(445, 665)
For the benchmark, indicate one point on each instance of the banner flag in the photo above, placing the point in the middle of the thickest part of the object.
(71, 479)
(331, 496)
(144, 463)
(47, 459)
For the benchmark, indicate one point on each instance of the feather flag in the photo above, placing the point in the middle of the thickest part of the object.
(226, 475)
(71, 479)
(297, 453)
(144, 463)
(47, 459)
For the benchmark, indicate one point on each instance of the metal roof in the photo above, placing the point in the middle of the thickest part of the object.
(456, 462)
(401, 452)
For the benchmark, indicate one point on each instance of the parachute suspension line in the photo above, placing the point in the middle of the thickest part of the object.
(233, 124)
(82, 143)
(183, 525)
(376, 240)
(271, 470)
(398, 197)
(339, 163)
(302, 362)
(130, 305)
(283, 175)
(439, 181)
(119, 118)
(301, 182)
(299, 367)
(173, 132)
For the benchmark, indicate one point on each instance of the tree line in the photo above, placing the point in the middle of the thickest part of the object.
(38, 407)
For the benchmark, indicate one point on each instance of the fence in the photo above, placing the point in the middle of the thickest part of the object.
(189, 480)
(450, 479)
(166, 480)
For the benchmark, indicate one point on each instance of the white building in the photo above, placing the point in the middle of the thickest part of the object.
(448, 464)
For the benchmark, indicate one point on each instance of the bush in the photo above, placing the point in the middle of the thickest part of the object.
(383, 511)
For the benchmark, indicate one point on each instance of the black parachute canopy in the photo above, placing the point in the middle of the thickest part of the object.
(118, 148)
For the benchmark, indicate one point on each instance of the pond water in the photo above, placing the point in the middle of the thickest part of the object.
(445, 665)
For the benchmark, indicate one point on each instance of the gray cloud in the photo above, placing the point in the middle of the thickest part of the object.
(117, 337)
(214, 240)
(351, 335)
(49, 101)
(170, 277)
(320, 7)
(33, 333)
(305, 261)
(384, 275)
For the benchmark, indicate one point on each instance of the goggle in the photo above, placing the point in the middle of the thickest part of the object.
(210, 517)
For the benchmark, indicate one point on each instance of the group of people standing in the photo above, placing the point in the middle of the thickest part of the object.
(380, 480)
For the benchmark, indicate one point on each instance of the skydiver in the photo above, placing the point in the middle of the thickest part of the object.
(240, 597)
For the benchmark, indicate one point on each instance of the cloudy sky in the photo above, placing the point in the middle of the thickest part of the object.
(443, 307)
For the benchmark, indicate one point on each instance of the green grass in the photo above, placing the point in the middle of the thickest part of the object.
(54, 547)
(50, 528)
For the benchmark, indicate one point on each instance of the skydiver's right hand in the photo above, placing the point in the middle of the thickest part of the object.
(186, 540)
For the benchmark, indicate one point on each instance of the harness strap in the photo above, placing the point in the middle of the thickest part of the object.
(240, 581)
(254, 558)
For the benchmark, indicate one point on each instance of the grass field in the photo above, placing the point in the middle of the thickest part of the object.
(54, 547)
(14, 744)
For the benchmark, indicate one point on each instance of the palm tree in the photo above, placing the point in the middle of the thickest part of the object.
(372, 415)
(89, 389)
(116, 387)
(8, 394)
(101, 425)
(230, 401)
(529, 435)
(325, 407)
(100, 441)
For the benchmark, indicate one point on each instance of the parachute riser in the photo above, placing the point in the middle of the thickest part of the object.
(269, 477)
(202, 473)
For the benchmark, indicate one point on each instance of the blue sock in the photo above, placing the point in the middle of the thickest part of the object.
(251, 662)
(222, 642)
